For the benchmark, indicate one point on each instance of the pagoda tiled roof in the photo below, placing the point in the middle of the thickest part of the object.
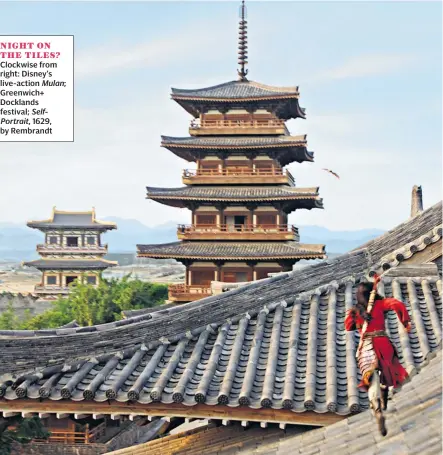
(277, 343)
(72, 220)
(70, 264)
(237, 90)
(240, 92)
(233, 250)
(305, 197)
(228, 142)
(286, 148)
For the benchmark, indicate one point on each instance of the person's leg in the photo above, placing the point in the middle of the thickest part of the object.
(374, 395)
(384, 396)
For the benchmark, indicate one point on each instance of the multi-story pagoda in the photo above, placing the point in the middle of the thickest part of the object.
(72, 251)
(240, 194)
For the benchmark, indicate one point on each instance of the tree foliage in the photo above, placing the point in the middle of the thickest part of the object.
(90, 305)
(17, 430)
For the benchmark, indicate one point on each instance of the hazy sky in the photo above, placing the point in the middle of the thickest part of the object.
(369, 76)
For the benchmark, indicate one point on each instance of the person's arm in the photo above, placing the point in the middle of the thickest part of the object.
(350, 320)
(400, 309)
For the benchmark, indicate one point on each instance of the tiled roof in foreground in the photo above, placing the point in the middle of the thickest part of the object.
(414, 422)
(279, 344)
(288, 355)
(70, 264)
(232, 250)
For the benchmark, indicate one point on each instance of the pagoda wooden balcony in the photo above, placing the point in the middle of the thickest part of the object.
(238, 127)
(187, 293)
(55, 248)
(276, 176)
(47, 290)
(238, 232)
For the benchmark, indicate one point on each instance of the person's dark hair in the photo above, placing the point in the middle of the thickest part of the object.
(366, 289)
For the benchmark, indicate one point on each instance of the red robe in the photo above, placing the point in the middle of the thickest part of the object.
(392, 372)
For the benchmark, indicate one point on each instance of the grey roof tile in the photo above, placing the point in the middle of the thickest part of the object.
(232, 250)
(236, 90)
(65, 220)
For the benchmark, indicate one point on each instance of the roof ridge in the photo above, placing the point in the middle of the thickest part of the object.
(271, 88)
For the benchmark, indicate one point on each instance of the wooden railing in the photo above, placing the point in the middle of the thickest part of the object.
(71, 249)
(238, 123)
(52, 289)
(239, 172)
(233, 228)
(75, 437)
(189, 289)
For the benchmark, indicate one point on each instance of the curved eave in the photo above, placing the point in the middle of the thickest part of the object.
(287, 152)
(192, 104)
(92, 227)
(143, 252)
(70, 265)
(305, 202)
(233, 258)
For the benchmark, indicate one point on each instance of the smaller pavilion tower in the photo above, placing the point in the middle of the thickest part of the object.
(72, 251)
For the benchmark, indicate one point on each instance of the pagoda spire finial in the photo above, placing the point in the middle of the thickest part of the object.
(242, 43)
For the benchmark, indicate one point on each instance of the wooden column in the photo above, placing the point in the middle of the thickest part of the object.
(252, 265)
(218, 272)
(60, 277)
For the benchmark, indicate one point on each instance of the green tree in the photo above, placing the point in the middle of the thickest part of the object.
(90, 305)
(16, 430)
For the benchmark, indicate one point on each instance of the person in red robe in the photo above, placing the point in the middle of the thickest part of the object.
(377, 358)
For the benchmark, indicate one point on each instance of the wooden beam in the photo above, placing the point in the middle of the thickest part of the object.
(264, 424)
(62, 416)
(80, 416)
(43, 415)
(10, 414)
(199, 411)
(98, 416)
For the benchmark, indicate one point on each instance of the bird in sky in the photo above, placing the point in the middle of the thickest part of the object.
(332, 172)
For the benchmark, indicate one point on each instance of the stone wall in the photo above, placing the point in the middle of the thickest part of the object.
(21, 303)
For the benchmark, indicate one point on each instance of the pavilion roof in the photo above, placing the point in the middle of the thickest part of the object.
(233, 250)
(72, 220)
(239, 92)
(286, 148)
(278, 343)
(301, 197)
(70, 264)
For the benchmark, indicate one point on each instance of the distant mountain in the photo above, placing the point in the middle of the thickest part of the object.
(337, 241)
(131, 232)
(18, 242)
